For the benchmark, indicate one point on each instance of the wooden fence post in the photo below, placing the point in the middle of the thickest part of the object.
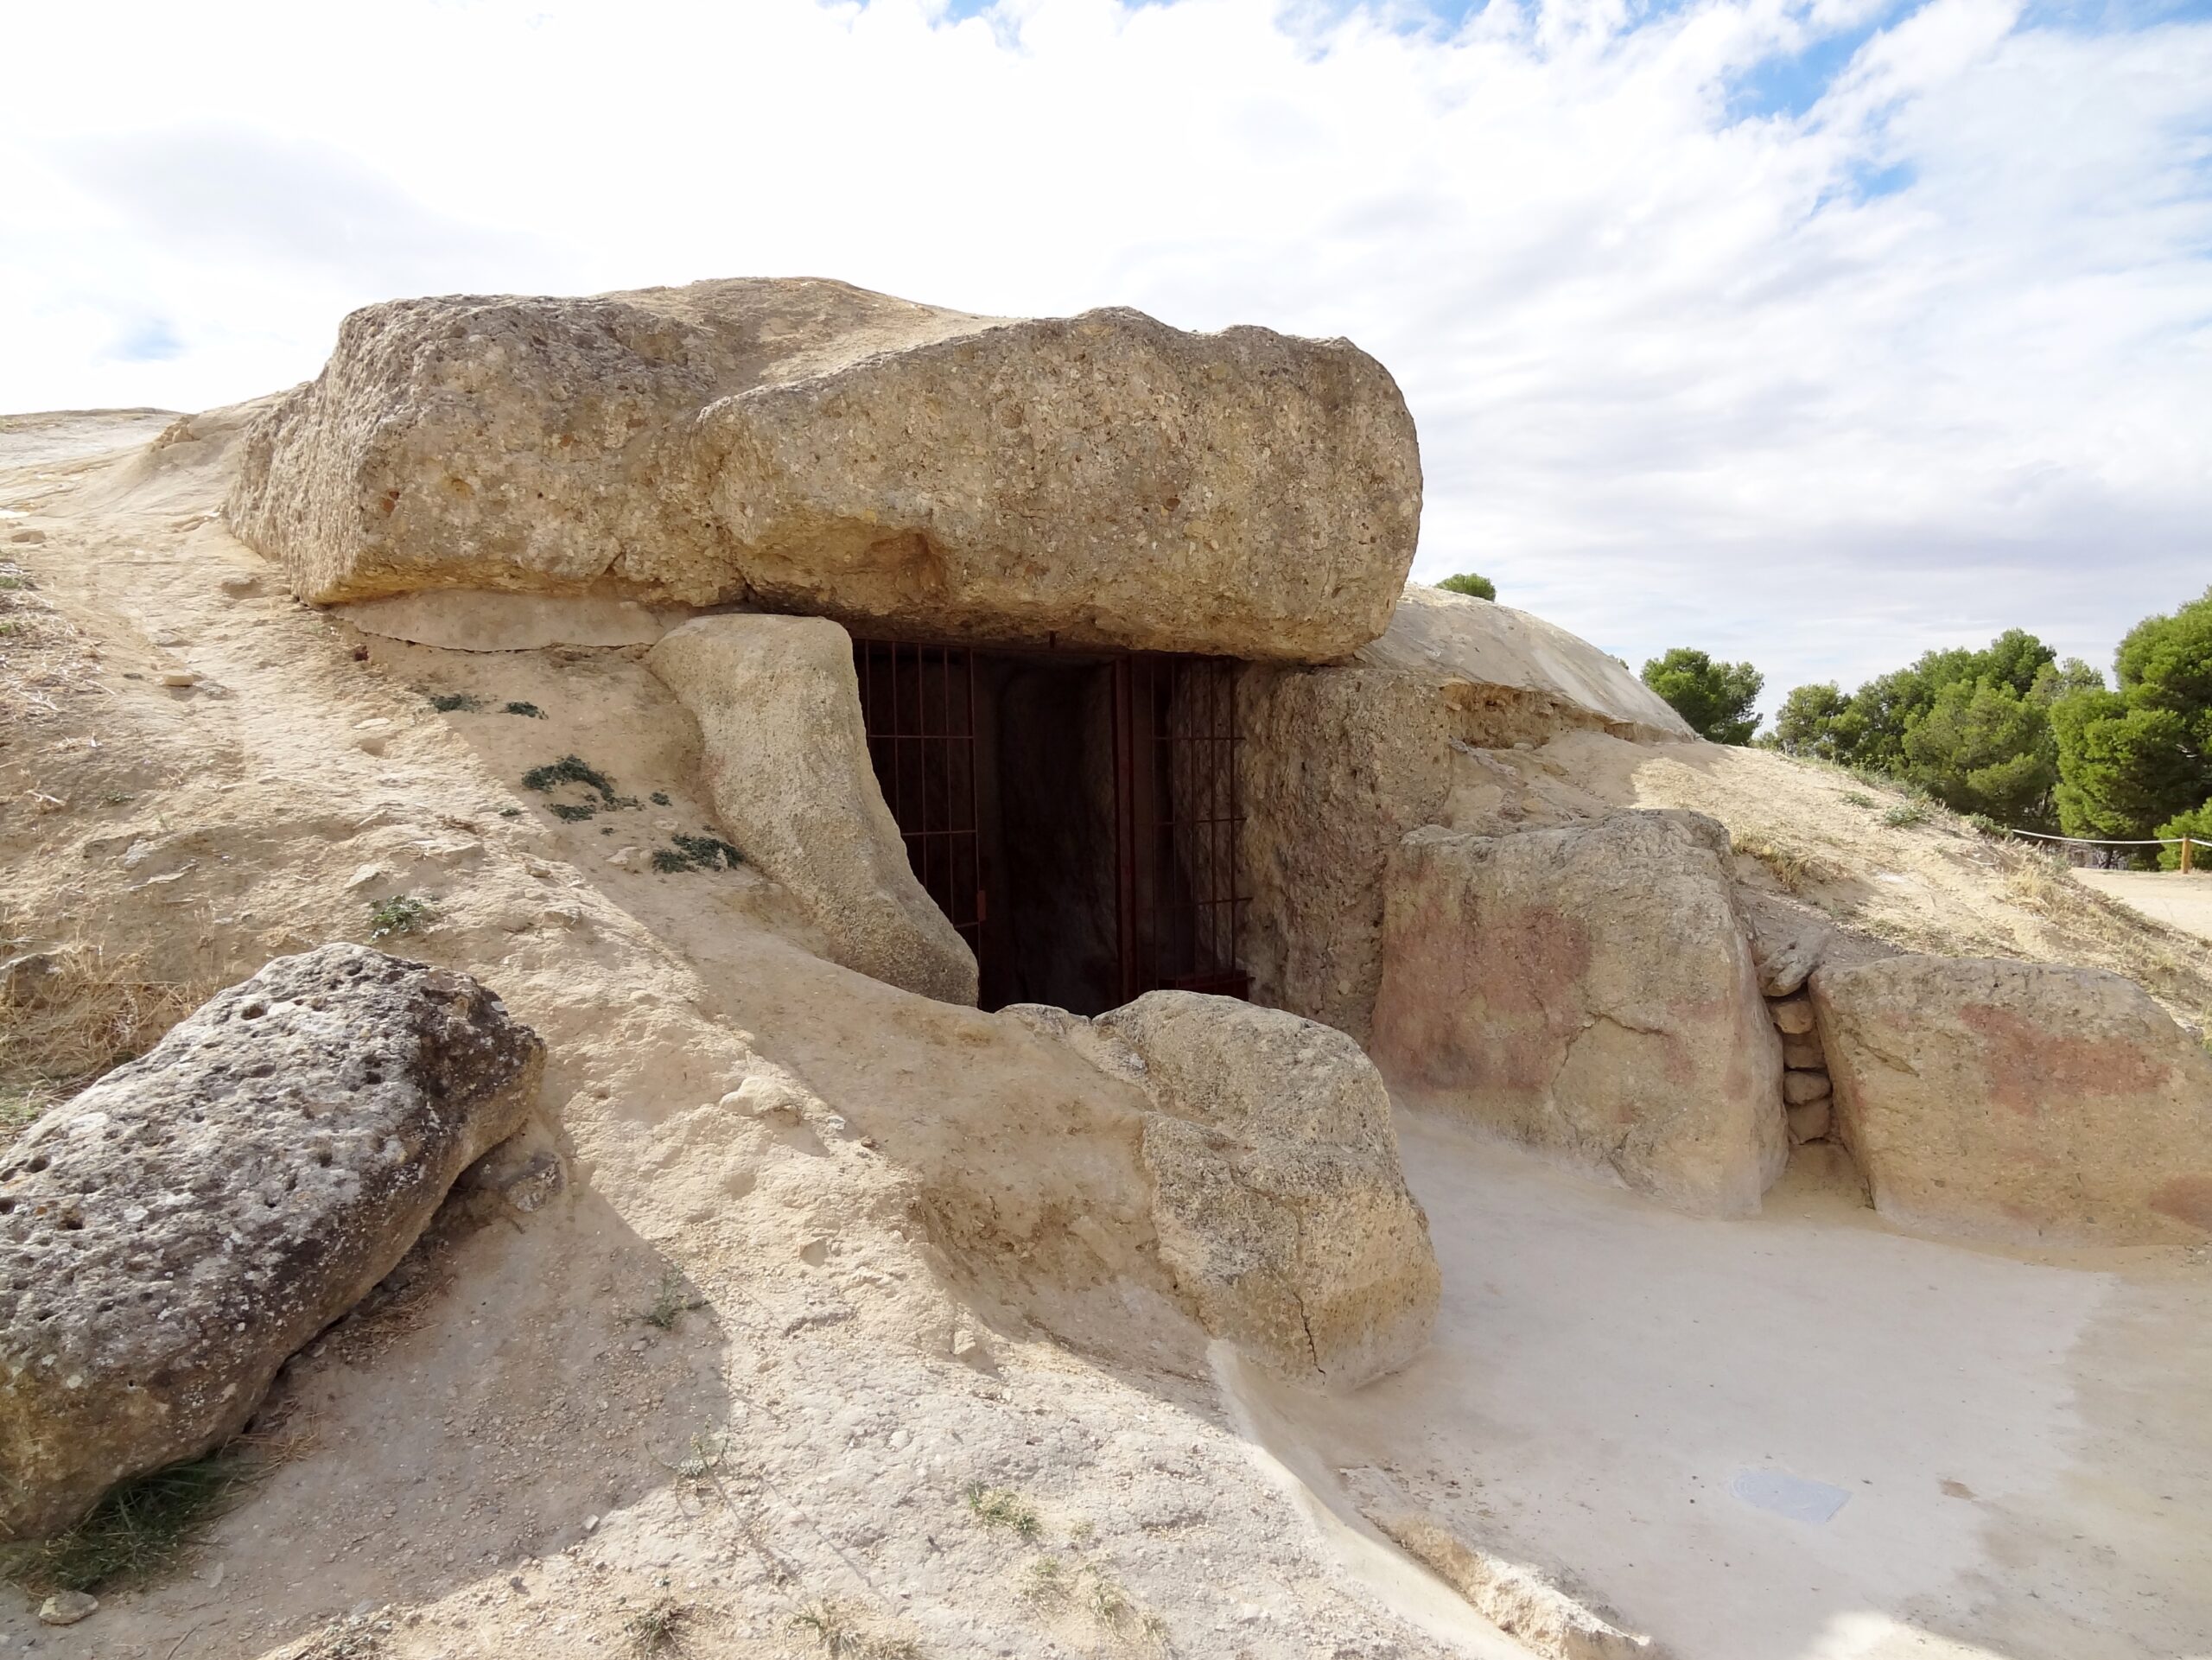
(2184, 853)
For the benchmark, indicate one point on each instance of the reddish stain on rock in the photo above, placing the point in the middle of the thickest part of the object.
(2030, 1067)
(2185, 1198)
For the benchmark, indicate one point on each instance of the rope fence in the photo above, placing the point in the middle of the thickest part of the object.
(2186, 844)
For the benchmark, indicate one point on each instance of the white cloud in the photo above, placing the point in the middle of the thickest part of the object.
(1922, 354)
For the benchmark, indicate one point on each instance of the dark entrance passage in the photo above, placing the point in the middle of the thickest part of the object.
(1074, 815)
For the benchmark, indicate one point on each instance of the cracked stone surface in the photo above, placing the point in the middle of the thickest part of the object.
(2022, 1103)
(172, 1235)
(803, 445)
(1590, 993)
(1279, 1199)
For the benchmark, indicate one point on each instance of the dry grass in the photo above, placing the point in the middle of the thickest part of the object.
(2170, 966)
(1794, 866)
(72, 1012)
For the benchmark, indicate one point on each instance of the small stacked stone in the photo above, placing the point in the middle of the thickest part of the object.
(1806, 1089)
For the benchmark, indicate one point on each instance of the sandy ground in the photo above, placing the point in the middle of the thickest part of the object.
(2167, 896)
(890, 1301)
(2025, 1445)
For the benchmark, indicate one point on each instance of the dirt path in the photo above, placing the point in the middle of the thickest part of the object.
(2166, 896)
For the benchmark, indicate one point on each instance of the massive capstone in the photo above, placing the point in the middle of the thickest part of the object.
(168, 1237)
(1588, 992)
(806, 445)
(2024, 1102)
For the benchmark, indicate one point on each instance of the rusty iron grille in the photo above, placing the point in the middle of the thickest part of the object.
(917, 704)
(1180, 822)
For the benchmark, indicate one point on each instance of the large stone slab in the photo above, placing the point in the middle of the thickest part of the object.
(1589, 992)
(786, 765)
(169, 1237)
(1278, 1197)
(806, 445)
(1341, 762)
(2030, 1103)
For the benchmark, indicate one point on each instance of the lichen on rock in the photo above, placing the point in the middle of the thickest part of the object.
(173, 1234)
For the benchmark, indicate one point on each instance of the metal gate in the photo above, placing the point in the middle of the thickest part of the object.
(1177, 813)
(918, 703)
(1179, 817)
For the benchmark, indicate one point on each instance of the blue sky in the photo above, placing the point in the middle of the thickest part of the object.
(1813, 332)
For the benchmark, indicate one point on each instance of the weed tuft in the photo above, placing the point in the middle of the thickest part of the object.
(456, 703)
(1907, 813)
(402, 914)
(1002, 1507)
(142, 1528)
(696, 853)
(657, 1629)
(528, 711)
(833, 1631)
(1859, 797)
(570, 769)
(659, 798)
(671, 1303)
(573, 812)
(1793, 867)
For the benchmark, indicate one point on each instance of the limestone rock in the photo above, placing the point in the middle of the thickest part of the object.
(175, 1232)
(807, 446)
(68, 1608)
(1789, 939)
(1803, 1052)
(1793, 1016)
(1523, 679)
(1799, 1087)
(1278, 1199)
(786, 762)
(1810, 1121)
(474, 620)
(1588, 991)
(2019, 1101)
(1340, 763)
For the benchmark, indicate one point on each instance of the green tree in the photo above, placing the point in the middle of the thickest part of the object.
(1816, 722)
(1984, 748)
(2197, 824)
(2136, 758)
(1719, 700)
(1467, 582)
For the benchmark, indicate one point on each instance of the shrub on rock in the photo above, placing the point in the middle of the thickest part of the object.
(173, 1234)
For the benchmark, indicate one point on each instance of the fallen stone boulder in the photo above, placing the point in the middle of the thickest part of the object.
(169, 1237)
(1278, 1197)
(1588, 992)
(807, 446)
(2028, 1103)
(786, 763)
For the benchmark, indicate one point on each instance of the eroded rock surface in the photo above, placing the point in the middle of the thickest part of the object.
(807, 446)
(1341, 762)
(177, 1230)
(2020, 1102)
(778, 706)
(1588, 992)
(1278, 1199)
